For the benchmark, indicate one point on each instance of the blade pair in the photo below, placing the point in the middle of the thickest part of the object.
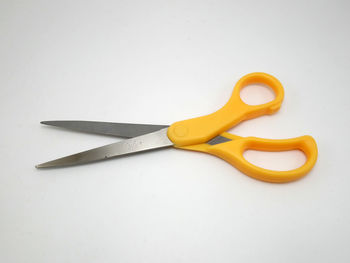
(144, 137)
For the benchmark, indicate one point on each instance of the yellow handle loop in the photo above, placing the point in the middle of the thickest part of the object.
(193, 134)
(202, 129)
(232, 152)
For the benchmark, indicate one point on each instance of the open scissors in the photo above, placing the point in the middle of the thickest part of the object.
(204, 134)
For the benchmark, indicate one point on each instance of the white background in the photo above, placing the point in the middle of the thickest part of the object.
(160, 62)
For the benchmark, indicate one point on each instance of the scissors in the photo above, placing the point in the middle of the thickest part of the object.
(203, 134)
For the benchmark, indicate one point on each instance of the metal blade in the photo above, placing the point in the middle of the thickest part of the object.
(126, 130)
(218, 139)
(154, 140)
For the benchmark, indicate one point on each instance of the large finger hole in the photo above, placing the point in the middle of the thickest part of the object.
(278, 161)
(256, 94)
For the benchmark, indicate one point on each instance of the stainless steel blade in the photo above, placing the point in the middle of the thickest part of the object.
(218, 139)
(154, 140)
(126, 130)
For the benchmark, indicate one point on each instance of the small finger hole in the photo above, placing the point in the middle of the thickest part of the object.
(278, 161)
(256, 94)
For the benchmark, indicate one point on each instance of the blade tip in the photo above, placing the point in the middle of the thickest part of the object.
(43, 165)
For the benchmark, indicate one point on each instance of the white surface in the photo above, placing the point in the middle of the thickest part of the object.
(159, 62)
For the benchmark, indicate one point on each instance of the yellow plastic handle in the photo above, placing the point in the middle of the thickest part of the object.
(202, 129)
(232, 152)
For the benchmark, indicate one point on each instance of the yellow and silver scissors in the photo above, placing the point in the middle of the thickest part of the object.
(204, 134)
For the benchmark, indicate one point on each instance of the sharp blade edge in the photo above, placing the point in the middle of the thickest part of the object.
(126, 130)
(158, 139)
